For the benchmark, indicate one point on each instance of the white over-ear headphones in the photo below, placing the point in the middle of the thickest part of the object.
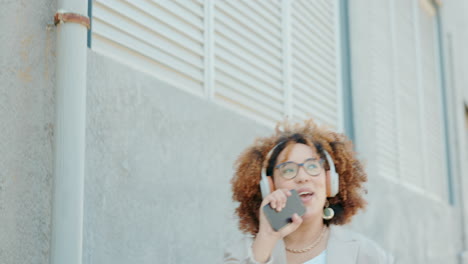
(332, 182)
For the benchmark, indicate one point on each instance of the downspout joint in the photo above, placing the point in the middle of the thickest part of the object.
(68, 17)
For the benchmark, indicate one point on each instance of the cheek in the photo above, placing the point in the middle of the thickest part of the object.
(320, 185)
(281, 183)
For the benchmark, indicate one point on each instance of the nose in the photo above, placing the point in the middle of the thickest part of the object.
(302, 175)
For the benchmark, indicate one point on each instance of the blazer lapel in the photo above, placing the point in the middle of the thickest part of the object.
(341, 249)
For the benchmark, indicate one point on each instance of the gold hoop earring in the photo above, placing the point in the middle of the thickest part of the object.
(328, 212)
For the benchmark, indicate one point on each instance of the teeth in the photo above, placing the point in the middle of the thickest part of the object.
(303, 193)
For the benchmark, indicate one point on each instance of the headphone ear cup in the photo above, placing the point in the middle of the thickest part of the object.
(332, 177)
(265, 187)
(332, 181)
(271, 183)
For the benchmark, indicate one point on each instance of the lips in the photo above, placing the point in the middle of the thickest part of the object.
(305, 194)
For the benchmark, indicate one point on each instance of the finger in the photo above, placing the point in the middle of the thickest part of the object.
(285, 191)
(274, 204)
(271, 200)
(296, 219)
(296, 222)
(283, 199)
(280, 199)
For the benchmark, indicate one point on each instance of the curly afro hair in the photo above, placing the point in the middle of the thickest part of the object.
(245, 183)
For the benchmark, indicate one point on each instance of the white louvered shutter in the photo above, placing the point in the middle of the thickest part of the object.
(248, 58)
(436, 167)
(314, 69)
(381, 78)
(162, 38)
(235, 55)
(408, 104)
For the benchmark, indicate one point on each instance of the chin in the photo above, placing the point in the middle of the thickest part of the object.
(312, 213)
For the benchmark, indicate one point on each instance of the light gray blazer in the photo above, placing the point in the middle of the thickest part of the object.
(344, 247)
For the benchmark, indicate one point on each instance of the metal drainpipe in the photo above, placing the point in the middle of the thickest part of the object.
(67, 210)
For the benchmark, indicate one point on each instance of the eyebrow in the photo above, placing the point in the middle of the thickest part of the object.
(290, 161)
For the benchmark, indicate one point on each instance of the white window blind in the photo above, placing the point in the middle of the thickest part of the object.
(314, 69)
(436, 165)
(248, 57)
(163, 38)
(408, 103)
(381, 80)
(264, 59)
(409, 121)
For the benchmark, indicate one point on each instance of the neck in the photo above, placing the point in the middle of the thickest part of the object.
(306, 234)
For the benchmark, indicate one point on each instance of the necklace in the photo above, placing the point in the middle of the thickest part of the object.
(311, 246)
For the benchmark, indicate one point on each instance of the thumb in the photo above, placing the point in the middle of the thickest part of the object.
(296, 222)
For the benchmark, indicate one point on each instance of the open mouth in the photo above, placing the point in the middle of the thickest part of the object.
(306, 196)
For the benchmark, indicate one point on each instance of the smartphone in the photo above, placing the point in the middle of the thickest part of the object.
(279, 219)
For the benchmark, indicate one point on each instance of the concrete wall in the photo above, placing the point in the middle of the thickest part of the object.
(454, 18)
(158, 163)
(408, 223)
(27, 68)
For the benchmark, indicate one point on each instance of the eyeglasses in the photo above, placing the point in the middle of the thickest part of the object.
(289, 169)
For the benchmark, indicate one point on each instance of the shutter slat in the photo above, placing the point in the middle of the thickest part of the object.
(195, 8)
(321, 12)
(257, 29)
(192, 31)
(273, 19)
(304, 93)
(115, 34)
(149, 22)
(302, 27)
(181, 13)
(301, 66)
(302, 12)
(241, 97)
(242, 77)
(270, 7)
(141, 62)
(310, 46)
(315, 62)
(246, 71)
(226, 45)
(251, 47)
(249, 37)
(144, 35)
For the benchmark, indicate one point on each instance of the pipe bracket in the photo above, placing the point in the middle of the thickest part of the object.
(61, 17)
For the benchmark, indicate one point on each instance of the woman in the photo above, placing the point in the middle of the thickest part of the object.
(302, 158)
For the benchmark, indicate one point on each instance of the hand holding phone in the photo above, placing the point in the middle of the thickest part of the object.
(280, 219)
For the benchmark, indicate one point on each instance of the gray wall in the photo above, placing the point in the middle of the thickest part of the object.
(411, 225)
(27, 68)
(456, 40)
(158, 163)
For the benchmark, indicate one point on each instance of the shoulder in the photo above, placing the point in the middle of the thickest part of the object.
(368, 250)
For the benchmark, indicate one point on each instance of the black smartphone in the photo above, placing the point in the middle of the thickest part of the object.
(280, 219)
